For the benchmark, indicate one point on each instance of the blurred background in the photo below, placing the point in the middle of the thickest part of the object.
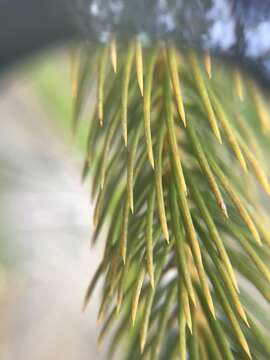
(45, 218)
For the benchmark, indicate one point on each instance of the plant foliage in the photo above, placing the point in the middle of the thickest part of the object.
(176, 148)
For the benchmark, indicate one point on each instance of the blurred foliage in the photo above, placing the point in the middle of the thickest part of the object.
(178, 149)
(186, 262)
(47, 74)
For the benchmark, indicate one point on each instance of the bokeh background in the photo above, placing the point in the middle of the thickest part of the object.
(45, 218)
